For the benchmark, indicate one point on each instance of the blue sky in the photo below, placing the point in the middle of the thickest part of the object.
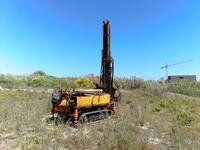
(64, 37)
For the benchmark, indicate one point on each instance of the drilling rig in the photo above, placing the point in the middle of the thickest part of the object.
(88, 105)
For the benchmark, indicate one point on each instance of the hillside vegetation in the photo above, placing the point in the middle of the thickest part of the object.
(40, 80)
(150, 115)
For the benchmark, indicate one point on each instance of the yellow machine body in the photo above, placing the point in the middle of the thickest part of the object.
(88, 101)
(83, 105)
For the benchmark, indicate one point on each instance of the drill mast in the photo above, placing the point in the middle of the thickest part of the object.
(107, 63)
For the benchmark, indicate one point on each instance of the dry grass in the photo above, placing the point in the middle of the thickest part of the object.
(144, 120)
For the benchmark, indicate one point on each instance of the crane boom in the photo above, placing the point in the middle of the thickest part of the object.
(166, 66)
(178, 63)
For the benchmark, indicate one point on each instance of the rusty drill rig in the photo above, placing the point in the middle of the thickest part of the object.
(88, 105)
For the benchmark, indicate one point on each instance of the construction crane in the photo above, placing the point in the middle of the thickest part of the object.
(166, 66)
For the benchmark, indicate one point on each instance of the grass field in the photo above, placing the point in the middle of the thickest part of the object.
(145, 119)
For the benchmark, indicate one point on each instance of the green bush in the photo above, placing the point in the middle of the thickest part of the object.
(184, 118)
(39, 73)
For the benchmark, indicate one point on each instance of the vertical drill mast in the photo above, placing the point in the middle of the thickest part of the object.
(107, 64)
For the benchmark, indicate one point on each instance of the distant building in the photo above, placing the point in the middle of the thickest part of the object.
(189, 78)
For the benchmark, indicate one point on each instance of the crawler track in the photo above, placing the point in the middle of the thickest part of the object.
(95, 116)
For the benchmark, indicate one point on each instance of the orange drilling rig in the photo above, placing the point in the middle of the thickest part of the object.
(88, 105)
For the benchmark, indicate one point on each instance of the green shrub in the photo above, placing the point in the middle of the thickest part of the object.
(184, 118)
(39, 73)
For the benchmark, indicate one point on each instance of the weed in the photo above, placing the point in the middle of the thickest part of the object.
(156, 109)
(184, 118)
